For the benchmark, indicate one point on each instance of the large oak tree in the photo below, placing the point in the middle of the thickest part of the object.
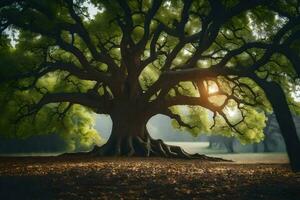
(138, 58)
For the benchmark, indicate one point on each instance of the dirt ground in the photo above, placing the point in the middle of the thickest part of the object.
(143, 178)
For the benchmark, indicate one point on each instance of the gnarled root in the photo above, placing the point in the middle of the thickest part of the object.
(164, 150)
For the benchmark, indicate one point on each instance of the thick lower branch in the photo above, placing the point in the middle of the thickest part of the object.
(98, 103)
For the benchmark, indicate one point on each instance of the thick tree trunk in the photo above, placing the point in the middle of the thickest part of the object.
(284, 117)
(134, 140)
(130, 137)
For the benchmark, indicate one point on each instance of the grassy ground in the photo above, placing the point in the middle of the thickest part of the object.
(141, 178)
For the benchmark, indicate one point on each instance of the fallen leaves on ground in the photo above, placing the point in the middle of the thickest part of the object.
(143, 178)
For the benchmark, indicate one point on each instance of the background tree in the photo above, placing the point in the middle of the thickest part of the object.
(136, 59)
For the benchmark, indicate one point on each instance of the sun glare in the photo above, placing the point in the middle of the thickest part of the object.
(231, 111)
(212, 88)
(92, 9)
(295, 94)
(213, 95)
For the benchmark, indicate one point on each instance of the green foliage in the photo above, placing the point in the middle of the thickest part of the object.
(195, 116)
(76, 127)
(249, 130)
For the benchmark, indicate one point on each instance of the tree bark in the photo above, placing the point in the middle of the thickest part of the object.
(128, 136)
(277, 98)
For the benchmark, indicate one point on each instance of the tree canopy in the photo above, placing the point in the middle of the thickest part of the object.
(204, 63)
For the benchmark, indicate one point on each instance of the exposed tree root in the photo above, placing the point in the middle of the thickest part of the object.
(147, 147)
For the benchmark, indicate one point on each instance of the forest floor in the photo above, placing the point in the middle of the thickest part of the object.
(143, 178)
